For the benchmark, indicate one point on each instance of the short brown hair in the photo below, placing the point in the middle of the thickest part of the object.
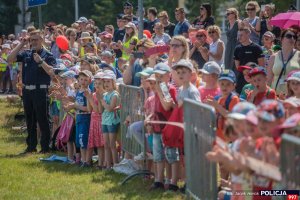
(163, 14)
(179, 10)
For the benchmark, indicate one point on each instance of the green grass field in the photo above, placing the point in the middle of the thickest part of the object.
(25, 177)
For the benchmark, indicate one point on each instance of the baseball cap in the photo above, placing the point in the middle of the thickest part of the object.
(270, 110)
(151, 78)
(130, 25)
(291, 122)
(146, 72)
(240, 110)
(258, 70)
(127, 3)
(269, 34)
(294, 76)
(161, 68)
(105, 65)
(108, 74)
(228, 75)
(242, 68)
(87, 59)
(183, 63)
(107, 54)
(6, 46)
(251, 117)
(99, 75)
(294, 101)
(108, 36)
(120, 16)
(68, 74)
(211, 67)
(66, 56)
(86, 73)
(82, 20)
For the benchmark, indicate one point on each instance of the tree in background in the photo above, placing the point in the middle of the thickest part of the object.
(8, 16)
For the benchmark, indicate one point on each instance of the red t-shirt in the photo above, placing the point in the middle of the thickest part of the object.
(160, 113)
(208, 93)
(268, 94)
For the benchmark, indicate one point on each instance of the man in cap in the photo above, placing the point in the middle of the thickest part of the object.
(36, 71)
(128, 10)
(4, 65)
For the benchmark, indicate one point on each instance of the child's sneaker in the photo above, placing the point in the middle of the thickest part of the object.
(139, 157)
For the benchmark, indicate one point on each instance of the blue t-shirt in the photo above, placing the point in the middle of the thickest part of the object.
(182, 27)
(136, 81)
(80, 99)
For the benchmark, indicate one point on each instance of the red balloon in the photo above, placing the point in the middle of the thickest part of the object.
(62, 42)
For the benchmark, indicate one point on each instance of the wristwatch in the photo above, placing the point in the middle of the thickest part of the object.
(40, 63)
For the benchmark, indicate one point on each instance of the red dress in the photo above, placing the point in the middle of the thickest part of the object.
(96, 138)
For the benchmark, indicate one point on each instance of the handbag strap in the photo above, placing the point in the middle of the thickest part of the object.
(284, 64)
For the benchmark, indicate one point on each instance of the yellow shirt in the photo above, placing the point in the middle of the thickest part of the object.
(127, 46)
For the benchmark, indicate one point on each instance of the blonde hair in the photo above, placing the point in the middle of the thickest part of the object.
(214, 28)
(253, 3)
(234, 11)
(185, 44)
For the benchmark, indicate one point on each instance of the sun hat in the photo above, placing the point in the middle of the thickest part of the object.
(99, 75)
(227, 75)
(130, 25)
(108, 74)
(211, 67)
(85, 35)
(240, 110)
(294, 76)
(184, 63)
(151, 78)
(86, 73)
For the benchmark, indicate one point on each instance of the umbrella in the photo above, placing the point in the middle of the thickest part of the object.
(286, 20)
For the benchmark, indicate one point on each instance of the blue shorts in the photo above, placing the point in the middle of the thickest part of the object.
(110, 128)
(172, 154)
(82, 130)
(158, 149)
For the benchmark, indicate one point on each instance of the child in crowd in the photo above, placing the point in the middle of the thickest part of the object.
(293, 85)
(291, 106)
(96, 139)
(226, 101)
(172, 139)
(110, 118)
(210, 74)
(261, 90)
(82, 115)
(163, 110)
(245, 71)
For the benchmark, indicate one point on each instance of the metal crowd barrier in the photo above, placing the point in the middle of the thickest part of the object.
(132, 101)
(201, 175)
(290, 162)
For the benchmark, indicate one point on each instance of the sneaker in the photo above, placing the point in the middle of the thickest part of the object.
(157, 186)
(44, 151)
(173, 188)
(85, 165)
(139, 157)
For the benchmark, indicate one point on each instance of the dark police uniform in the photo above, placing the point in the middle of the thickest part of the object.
(35, 97)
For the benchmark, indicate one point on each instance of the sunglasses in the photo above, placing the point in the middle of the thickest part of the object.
(200, 36)
(290, 36)
(176, 45)
(211, 32)
(227, 14)
(250, 9)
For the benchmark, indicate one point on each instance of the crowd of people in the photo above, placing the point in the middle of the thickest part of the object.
(252, 81)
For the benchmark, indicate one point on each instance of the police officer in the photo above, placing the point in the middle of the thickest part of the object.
(37, 67)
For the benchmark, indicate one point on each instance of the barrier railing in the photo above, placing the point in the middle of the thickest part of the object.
(201, 175)
(290, 162)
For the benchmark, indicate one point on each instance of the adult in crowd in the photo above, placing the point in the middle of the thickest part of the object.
(128, 10)
(37, 67)
(129, 42)
(250, 22)
(283, 62)
(263, 24)
(119, 34)
(183, 25)
(73, 45)
(200, 49)
(216, 47)
(138, 64)
(152, 19)
(234, 23)
(205, 19)
(246, 51)
(159, 36)
(82, 23)
(164, 20)
(297, 46)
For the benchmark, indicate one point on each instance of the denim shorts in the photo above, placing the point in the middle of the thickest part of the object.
(82, 130)
(158, 149)
(172, 154)
(110, 128)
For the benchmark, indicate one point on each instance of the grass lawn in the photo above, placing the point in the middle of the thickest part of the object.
(25, 177)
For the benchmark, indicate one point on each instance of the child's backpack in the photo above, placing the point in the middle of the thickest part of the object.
(65, 130)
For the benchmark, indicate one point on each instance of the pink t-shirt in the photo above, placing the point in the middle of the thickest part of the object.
(208, 93)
